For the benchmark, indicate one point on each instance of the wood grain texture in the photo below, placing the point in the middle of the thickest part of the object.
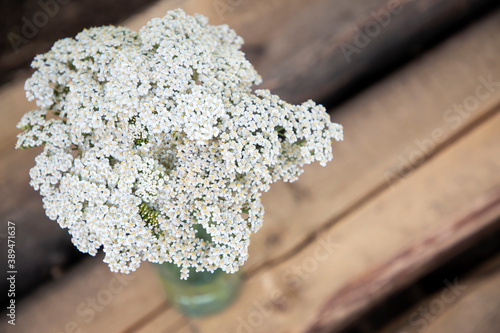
(468, 304)
(167, 321)
(42, 247)
(90, 299)
(478, 310)
(466, 227)
(341, 51)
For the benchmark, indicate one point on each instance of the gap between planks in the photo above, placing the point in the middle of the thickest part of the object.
(477, 311)
(467, 227)
(473, 303)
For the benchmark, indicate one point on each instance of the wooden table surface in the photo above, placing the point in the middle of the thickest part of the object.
(416, 180)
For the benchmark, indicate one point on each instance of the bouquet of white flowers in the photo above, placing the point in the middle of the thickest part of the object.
(155, 146)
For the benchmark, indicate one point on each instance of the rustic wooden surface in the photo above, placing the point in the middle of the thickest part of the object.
(467, 226)
(408, 166)
(469, 305)
(478, 309)
(19, 44)
(277, 44)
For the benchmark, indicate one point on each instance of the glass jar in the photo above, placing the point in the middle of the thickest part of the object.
(203, 293)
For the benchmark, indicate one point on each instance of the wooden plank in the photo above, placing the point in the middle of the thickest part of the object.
(463, 229)
(27, 29)
(465, 305)
(296, 290)
(169, 320)
(89, 299)
(339, 54)
(477, 311)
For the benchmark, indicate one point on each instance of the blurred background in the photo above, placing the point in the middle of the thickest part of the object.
(401, 75)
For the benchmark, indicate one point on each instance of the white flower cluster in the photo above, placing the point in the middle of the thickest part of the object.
(155, 147)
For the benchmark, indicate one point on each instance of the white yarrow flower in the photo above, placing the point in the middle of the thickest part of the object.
(155, 146)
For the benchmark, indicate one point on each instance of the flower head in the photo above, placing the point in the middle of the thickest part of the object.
(155, 138)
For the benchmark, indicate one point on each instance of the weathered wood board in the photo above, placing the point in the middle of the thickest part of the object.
(464, 305)
(278, 45)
